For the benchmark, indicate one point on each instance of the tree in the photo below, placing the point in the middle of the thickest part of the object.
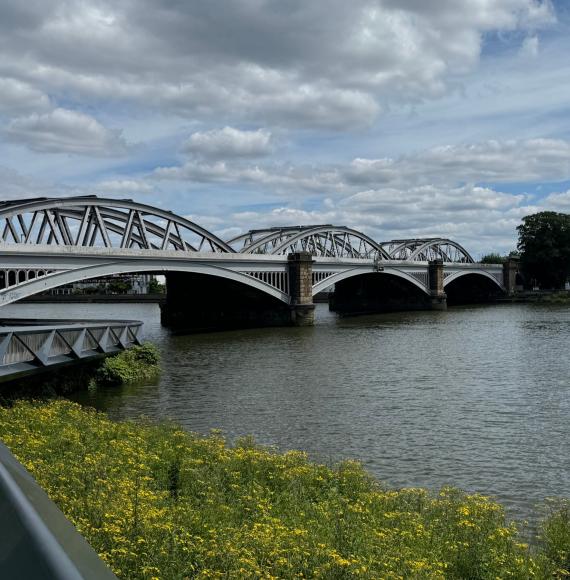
(544, 243)
(119, 286)
(493, 258)
(155, 287)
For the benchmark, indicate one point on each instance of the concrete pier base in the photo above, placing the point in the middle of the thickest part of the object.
(438, 302)
(302, 314)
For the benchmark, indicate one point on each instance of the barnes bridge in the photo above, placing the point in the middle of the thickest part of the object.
(263, 277)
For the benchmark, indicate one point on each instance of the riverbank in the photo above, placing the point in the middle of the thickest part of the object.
(136, 364)
(156, 501)
(538, 296)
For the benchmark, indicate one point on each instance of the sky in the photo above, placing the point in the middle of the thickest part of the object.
(400, 118)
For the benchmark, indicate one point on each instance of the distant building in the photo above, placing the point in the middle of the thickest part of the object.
(117, 284)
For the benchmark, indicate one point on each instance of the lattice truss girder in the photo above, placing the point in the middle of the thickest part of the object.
(322, 241)
(44, 346)
(427, 249)
(97, 222)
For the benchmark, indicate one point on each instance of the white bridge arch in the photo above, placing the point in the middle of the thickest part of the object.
(48, 242)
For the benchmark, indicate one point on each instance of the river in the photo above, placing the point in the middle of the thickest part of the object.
(475, 397)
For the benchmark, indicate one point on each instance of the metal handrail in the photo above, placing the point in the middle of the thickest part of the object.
(36, 539)
(28, 346)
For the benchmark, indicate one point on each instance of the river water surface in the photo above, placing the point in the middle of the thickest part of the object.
(475, 397)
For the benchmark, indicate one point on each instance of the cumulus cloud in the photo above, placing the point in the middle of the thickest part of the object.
(124, 186)
(333, 64)
(482, 219)
(65, 131)
(489, 161)
(508, 161)
(301, 69)
(17, 96)
(284, 178)
(229, 142)
(558, 201)
(435, 192)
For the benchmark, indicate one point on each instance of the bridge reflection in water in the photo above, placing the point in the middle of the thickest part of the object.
(263, 277)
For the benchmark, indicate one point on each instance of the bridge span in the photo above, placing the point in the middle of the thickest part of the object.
(264, 276)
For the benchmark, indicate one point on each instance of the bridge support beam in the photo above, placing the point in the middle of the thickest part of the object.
(510, 271)
(301, 288)
(438, 297)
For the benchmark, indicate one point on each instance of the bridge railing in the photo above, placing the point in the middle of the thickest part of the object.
(27, 346)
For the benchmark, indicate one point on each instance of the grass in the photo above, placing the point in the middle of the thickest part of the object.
(157, 502)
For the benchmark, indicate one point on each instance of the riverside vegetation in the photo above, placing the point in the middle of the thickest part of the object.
(158, 502)
(137, 363)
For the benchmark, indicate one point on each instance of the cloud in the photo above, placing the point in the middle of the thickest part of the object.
(400, 117)
(281, 178)
(490, 161)
(509, 161)
(529, 47)
(433, 192)
(310, 64)
(482, 219)
(229, 142)
(124, 186)
(17, 96)
(558, 201)
(65, 131)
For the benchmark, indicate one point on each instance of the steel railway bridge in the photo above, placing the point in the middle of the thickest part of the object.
(265, 276)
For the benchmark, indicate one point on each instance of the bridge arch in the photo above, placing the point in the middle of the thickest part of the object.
(359, 292)
(427, 249)
(59, 278)
(471, 286)
(320, 241)
(474, 272)
(340, 276)
(101, 222)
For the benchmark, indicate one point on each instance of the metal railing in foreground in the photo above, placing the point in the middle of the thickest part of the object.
(36, 540)
(28, 347)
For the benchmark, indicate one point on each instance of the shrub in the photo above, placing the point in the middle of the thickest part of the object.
(132, 365)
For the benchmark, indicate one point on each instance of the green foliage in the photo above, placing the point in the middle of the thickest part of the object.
(154, 287)
(555, 537)
(130, 366)
(157, 502)
(119, 286)
(493, 258)
(544, 242)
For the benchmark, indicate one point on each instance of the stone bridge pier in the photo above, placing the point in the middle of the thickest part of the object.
(438, 298)
(300, 266)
